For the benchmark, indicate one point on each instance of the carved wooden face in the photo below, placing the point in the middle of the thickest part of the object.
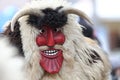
(51, 59)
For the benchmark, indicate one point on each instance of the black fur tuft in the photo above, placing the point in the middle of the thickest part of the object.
(95, 57)
(15, 37)
(52, 18)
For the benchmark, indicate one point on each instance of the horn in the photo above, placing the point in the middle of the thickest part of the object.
(23, 12)
(79, 13)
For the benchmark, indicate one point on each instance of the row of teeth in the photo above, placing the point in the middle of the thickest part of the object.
(51, 52)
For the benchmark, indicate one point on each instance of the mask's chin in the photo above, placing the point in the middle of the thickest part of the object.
(51, 60)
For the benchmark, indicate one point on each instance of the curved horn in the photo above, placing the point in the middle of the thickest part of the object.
(79, 13)
(23, 12)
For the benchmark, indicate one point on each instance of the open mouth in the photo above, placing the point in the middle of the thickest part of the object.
(51, 60)
(52, 53)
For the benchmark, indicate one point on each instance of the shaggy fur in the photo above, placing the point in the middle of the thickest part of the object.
(83, 58)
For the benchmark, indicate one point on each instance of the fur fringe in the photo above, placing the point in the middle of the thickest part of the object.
(83, 58)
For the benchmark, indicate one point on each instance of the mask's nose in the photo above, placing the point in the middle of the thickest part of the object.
(50, 39)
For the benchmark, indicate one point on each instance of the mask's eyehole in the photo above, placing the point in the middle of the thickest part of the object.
(41, 30)
(57, 29)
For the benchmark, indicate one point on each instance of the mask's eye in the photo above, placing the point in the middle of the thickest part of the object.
(41, 30)
(57, 29)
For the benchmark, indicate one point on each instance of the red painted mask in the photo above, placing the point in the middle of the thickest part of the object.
(51, 59)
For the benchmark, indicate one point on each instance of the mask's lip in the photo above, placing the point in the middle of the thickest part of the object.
(51, 53)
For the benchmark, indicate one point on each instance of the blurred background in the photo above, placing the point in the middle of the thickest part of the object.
(104, 13)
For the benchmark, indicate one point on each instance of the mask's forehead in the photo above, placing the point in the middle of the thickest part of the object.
(52, 18)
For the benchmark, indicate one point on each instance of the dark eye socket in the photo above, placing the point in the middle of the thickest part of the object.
(57, 29)
(42, 30)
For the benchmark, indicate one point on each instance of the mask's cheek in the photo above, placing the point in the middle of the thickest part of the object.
(40, 40)
(59, 38)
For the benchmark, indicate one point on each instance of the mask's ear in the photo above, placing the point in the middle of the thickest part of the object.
(14, 36)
